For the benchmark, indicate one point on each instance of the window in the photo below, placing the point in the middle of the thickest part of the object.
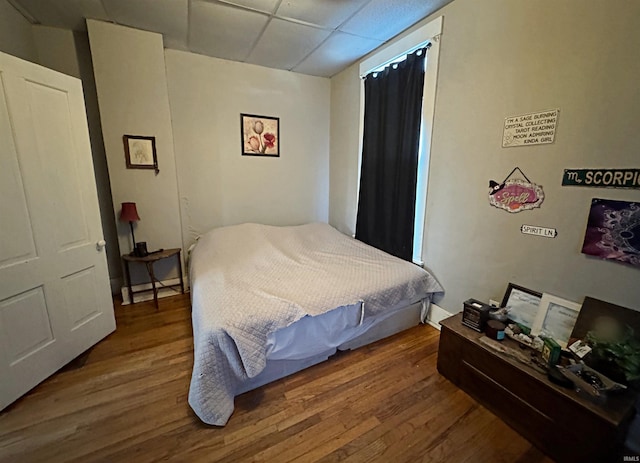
(396, 52)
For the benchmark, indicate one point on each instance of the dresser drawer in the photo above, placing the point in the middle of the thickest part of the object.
(559, 422)
(540, 395)
(517, 413)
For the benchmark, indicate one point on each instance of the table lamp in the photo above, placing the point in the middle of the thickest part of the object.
(129, 213)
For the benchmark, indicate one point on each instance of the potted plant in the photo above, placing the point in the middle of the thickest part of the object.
(616, 353)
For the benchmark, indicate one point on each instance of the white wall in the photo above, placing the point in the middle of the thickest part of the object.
(132, 94)
(15, 33)
(219, 186)
(500, 58)
(100, 166)
(56, 49)
(345, 140)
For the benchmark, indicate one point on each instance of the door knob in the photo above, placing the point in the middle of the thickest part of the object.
(101, 244)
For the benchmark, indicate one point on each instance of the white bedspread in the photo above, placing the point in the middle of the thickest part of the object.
(250, 280)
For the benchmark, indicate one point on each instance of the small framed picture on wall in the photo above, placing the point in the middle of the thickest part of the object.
(260, 135)
(140, 152)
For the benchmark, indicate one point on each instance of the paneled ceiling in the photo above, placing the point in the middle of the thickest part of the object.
(316, 37)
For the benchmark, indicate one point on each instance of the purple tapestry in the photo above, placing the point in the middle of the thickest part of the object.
(613, 231)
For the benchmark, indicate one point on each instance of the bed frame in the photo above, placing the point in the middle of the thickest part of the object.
(394, 322)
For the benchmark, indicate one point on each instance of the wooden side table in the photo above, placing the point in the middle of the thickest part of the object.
(148, 261)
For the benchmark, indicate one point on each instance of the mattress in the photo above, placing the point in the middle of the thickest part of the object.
(250, 281)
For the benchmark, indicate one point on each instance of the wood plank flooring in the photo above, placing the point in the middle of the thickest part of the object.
(126, 401)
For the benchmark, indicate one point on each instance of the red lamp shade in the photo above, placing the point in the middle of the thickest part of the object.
(129, 213)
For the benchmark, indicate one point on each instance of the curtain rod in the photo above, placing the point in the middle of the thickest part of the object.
(408, 52)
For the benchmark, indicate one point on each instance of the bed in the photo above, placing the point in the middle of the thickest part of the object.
(269, 301)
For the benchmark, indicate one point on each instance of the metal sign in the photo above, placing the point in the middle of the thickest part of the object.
(539, 231)
(602, 178)
(530, 129)
(516, 195)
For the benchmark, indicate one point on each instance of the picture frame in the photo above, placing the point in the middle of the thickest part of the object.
(522, 303)
(140, 152)
(260, 135)
(556, 318)
(594, 309)
(612, 334)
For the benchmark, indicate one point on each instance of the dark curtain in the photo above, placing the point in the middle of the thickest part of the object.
(392, 116)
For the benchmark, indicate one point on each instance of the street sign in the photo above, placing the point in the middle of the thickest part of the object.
(602, 178)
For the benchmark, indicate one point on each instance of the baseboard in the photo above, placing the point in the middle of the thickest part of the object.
(437, 313)
(162, 291)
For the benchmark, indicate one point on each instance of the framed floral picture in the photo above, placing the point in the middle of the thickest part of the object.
(260, 135)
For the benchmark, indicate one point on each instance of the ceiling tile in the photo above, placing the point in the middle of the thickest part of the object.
(168, 17)
(284, 44)
(223, 31)
(327, 13)
(230, 29)
(266, 6)
(384, 19)
(45, 13)
(334, 55)
(66, 14)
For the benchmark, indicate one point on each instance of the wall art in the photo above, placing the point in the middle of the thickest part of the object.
(602, 178)
(613, 231)
(260, 135)
(515, 195)
(140, 152)
(530, 129)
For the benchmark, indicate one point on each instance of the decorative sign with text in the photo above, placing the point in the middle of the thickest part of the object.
(539, 231)
(530, 129)
(602, 178)
(515, 195)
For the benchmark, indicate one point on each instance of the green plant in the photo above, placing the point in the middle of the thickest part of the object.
(622, 354)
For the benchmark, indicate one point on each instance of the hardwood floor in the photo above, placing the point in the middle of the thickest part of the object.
(126, 401)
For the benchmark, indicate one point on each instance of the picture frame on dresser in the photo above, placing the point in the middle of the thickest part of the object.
(556, 318)
(522, 303)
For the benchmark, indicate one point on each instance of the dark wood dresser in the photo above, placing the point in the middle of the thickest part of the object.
(560, 422)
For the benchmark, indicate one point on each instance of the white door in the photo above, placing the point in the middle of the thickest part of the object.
(55, 300)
